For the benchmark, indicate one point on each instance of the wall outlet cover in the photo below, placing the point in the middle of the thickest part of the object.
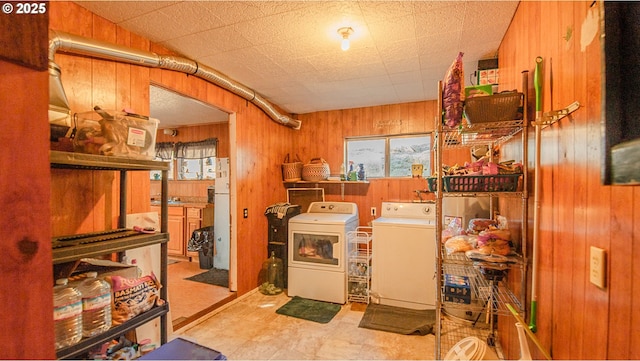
(598, 266)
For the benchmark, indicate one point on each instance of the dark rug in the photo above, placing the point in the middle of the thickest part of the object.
(214, 276)
(398, 320)
(311, 310)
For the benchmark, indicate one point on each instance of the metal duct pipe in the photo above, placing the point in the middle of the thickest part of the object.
(61, 41)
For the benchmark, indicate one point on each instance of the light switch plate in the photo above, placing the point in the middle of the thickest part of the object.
(598, 266)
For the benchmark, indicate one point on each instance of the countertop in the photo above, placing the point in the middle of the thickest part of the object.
(186, 203)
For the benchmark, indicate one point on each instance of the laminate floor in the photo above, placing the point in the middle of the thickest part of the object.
(189, 300)
(248, 328)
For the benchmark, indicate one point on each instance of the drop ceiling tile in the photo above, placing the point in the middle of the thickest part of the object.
(231, 12)
(158, 26)
(375, 81)
(399, 65)
(411, 92)
(431, 6)
(441, 20)
(405, 77)
(380, 11)
(286, 48)
(490, 14)
(118, 12)
(392, 30)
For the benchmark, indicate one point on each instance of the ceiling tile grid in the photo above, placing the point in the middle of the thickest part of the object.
(289, 51)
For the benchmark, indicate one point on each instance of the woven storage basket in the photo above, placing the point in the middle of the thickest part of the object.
(316, 170)
(493, 108)
(291, 171)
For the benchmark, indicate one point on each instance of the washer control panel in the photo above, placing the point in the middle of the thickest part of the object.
(333, 207)
(408, 210)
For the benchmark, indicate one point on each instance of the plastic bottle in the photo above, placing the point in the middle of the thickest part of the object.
(342, 172)
(67, 314)
(96, 305)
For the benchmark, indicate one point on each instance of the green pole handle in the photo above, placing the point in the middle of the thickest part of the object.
(537, 83)
(534, 317)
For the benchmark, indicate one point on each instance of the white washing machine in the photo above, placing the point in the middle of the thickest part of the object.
(403, 265)
(317, 253)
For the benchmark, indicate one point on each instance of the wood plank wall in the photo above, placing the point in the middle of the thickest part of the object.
(576, 320)
(26, 270)
(90, 82)
(85, 201)
(322, 135)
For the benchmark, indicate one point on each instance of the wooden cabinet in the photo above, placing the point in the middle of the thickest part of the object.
(182, 221)
(176, 245)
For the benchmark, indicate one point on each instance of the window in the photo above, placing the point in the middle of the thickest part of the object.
(193, 160)
(196, 160)
(389, 156)
(164, 152)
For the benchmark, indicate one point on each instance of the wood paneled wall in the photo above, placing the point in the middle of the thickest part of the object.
(26, 270)
(576, 320)
(85, 201)
(256, 153)
(322, 135)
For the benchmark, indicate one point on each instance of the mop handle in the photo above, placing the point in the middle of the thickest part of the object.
(528, 331)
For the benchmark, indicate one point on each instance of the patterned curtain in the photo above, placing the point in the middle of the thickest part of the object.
(197, 150)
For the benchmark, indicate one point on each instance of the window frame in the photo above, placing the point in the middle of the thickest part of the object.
(387, 162)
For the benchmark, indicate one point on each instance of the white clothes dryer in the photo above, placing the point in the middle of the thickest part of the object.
(317, 267)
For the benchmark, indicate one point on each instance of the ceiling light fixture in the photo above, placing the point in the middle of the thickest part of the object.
(345, 32)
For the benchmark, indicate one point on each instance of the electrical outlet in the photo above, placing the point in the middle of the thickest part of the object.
(597, 266)
(245, 213)
(373, 211)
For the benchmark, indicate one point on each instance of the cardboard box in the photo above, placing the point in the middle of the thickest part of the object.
(488, 76)
(457, 289)
(104, 268)
(478, 90)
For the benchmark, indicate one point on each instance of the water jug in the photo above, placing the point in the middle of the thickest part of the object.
(67, 314)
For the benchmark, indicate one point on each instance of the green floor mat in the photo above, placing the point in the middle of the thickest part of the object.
(311, 310)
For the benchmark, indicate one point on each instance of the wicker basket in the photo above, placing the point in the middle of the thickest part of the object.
(316, 170)
(291, 172)
(493, 108)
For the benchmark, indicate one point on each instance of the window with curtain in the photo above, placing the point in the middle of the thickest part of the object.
(197, 160)
(165, 153)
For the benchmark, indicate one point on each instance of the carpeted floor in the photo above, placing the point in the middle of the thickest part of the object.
(399, 320)
(214, 276)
